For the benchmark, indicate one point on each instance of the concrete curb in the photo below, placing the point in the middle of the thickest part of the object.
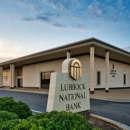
(113, 100)
(118, 124)
(26, 91)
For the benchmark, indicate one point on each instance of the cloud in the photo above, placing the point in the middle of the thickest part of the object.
(58, 25)
(75, 14)
(52, 23)
(119, 3)
(122, 30)
(94, 9)
(9, 50)
(12, 49)
(108, 13)
(48, 18)
(109, 0)
(29, 19)
(57, 4)
(79, 26)
(127, 48)
(43, 18)
(35, 5)
(39, 5)
(52, 19)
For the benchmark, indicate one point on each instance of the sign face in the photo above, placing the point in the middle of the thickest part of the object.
(6, 75)
(113, 73)
(75, 69)
(68, 94)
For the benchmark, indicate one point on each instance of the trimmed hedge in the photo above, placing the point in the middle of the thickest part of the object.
(60, 121)
(5, 116)
(49, 121)
(20, 108)
(10, 124)
(44, 121)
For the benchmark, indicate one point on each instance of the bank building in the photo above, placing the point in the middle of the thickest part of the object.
(108, 66)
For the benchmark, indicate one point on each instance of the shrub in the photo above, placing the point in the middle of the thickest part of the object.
(20, 108)
(49, 121)
(9, 125)
(60, 121)
(5, 115)
(54, 121)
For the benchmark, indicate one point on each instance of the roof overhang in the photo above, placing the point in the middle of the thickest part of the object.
(76, 48)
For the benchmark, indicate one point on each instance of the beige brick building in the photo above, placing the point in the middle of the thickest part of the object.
(107, 66)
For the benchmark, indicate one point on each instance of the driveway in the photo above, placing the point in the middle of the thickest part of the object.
(118, 111)
(35, 101)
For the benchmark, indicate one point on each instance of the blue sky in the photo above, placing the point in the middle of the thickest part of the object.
(29, 26)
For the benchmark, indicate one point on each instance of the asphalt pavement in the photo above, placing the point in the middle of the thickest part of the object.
(37, 102)
(118, 111)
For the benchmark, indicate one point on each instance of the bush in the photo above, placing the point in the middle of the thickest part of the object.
(20, 108)
(10, 124)
(54, 121)
(57, 121)
(5, 116)
(11, 111)
(49, 121)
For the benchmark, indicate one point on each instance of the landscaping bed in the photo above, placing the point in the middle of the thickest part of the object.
(96, 121)
(18, 116)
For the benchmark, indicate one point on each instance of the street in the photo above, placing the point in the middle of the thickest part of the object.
(118, 111)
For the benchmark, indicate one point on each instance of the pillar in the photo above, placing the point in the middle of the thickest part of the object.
(92, 69)
(107, 70)
(12, 69)
(1, 76)
(68, 54)
(10, 75)
(13, 75)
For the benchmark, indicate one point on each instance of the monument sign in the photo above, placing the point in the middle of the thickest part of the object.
(69, 90)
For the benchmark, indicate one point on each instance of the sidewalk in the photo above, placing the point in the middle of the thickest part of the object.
(120, 95)
(30, 90)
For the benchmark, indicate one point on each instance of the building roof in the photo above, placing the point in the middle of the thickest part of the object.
(76, 48)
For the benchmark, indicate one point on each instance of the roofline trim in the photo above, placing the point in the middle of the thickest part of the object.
(70, 46)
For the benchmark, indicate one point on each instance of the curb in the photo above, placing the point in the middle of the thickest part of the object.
(112, 122)
(26, 91)
(113, 100)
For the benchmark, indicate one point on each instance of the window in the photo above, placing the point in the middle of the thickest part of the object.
(98, 77)
(19, 72)
(45, 80)
(124, 79)
(113, 66)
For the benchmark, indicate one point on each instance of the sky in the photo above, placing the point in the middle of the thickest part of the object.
(29, 26)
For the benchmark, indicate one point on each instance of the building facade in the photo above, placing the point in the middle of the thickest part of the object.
(107, 66)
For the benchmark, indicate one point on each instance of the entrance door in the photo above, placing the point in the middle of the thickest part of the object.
(20, 82)
(45, 80)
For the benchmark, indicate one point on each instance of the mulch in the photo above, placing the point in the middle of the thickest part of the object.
(103, 125)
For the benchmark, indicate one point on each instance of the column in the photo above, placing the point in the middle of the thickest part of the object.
(92, 69)
(107, 70)
(68, 54)
(13, 75)
(1, 76)
(10, 75)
